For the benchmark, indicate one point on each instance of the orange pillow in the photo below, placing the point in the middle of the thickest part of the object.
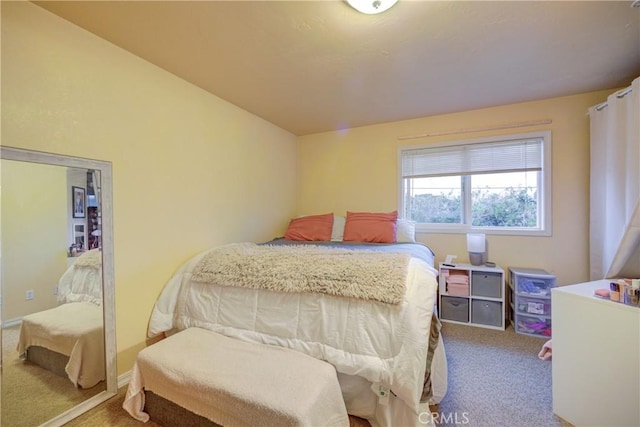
(371, 227)
(311, 227)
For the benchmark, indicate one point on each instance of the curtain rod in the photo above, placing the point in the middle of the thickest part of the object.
(619, 95)
(480, 129)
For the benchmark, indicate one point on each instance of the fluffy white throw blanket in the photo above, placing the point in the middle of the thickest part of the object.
(361, 274)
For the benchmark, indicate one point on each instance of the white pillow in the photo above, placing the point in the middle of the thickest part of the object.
(406, 231)
(338, 228)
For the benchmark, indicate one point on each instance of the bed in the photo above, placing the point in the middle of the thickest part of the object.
(386, 349)
(68, 339)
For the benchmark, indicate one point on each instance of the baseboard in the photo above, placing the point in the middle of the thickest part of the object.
(124, 379)
(12, 322)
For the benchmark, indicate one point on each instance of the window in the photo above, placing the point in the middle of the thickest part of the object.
(500, 185)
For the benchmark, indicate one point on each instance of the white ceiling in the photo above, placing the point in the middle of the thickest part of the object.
(314, 66)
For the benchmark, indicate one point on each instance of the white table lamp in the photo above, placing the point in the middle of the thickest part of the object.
(476, 245)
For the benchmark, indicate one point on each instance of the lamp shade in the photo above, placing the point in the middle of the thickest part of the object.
(371, 7)
(476, 242)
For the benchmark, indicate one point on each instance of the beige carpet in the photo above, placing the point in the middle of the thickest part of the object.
(111, 413)
(495, 380)
(31, 394)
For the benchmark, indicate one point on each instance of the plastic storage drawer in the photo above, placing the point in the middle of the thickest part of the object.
(454, 309)
(486, 312)
(486, 284)
(534, 286)
(533, 325)
(534, 306)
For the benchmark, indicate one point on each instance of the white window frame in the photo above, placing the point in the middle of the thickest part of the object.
(545, 184)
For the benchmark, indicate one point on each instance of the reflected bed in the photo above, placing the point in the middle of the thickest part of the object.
(69, 339)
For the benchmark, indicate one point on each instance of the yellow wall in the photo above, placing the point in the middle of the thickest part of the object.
(189, 170)
(357, 170)
(34, 235)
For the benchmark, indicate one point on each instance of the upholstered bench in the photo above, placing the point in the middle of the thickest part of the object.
(236, 383)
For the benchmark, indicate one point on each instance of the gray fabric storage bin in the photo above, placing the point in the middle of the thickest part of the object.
(454, 308)
(486, 284)
(486, 312)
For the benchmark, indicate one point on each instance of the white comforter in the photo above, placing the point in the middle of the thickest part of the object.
(385, 344)
(82, 282)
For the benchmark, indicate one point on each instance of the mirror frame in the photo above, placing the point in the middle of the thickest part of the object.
(108, 291)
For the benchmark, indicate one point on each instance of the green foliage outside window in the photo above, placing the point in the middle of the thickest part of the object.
(513, 207)
(438, 209)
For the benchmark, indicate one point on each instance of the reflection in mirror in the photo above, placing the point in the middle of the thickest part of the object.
(58, 338)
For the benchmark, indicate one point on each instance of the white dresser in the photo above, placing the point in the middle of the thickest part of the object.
(596, 357)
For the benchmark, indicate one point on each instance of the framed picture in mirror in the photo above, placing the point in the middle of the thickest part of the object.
(79, 204)
(79, 237)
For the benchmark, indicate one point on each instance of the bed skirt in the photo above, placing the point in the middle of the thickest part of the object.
(167, 413)
(48, 359)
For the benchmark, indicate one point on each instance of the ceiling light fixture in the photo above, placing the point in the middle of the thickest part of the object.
(371, 7)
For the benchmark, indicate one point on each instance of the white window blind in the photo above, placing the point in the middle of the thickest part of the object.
(469, 159)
